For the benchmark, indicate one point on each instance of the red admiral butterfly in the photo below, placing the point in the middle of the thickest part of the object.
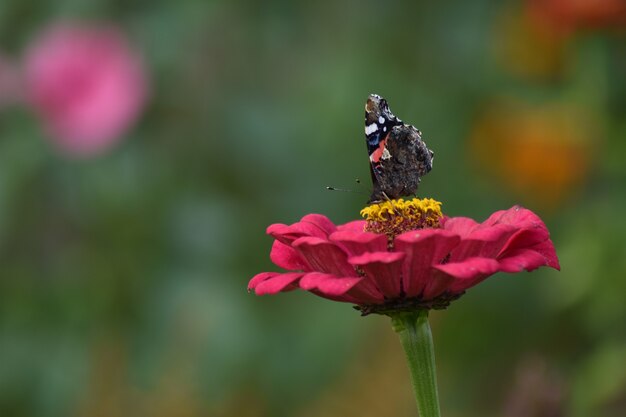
(398, 155)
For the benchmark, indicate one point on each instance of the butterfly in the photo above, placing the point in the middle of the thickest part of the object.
(398, 155)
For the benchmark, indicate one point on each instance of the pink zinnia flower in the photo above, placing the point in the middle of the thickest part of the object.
(406, 256)
(87, 85)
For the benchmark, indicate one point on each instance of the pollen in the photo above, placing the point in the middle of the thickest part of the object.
(394, 217)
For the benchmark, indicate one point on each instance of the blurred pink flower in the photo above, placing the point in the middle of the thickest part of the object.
(87, 84)
(417, 269)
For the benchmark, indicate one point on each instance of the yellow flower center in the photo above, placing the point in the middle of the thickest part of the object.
(393, 217)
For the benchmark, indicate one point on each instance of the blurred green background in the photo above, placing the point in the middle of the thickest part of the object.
(123, 277)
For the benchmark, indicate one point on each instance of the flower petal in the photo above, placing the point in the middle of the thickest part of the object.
(324, 256)
(532, 234)
(272, 283)
(288, 233)
(340, 289)
(315, 225)
(546, 249)
(353, 226)
(286, 257)
(483, 242)
(423, 248)
(438, 284)
(320, 221)
(462, 226)
(521, 219)
(522, 259)
(468, 273)
(258, 278)
(357, 243)
(495, 217)
(526, 238)
(470, 268)
(384, 269)
(516, 215)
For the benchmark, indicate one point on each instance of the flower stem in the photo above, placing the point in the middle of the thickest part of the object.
(417, 341)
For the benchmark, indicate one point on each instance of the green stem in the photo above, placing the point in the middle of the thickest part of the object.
(417, 341)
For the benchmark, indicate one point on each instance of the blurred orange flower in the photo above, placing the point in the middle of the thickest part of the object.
(533, 41)
(566, 16)
(542, 153)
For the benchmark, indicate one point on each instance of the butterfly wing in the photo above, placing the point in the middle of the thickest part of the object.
(398, 156)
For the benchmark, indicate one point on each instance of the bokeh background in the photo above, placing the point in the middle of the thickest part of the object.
(123, 269)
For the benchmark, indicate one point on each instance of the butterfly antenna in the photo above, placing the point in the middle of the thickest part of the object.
(345, 190)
